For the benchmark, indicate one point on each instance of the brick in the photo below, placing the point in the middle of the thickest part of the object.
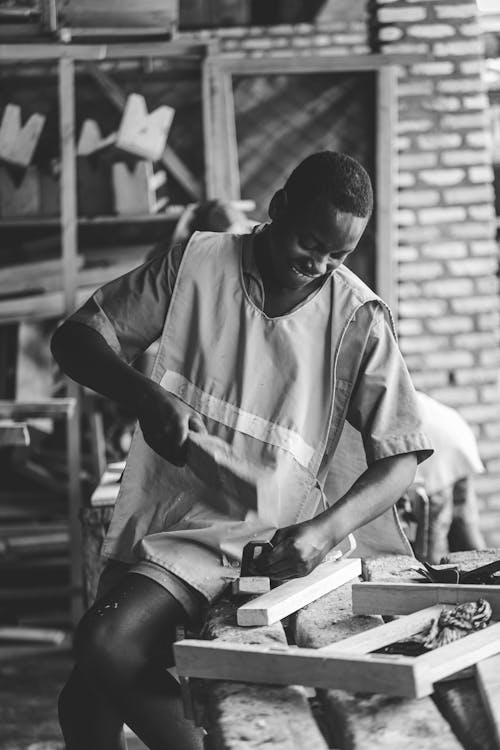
(476, 376)
(442, 215)
(488, 285)
(474, 340)
(490, 357)
(262, 42)
(419, 125)
(449, 359)
(481, 173)
(333, 51)
(480, 413)
(484, 247)
(489, 321)
(451, 324)
(485, 212)
(405, 179)
(440, 68)
(473, 266)
(490, 393)
(403, 142)
(444, 250)
(405, 218)
(458, 85)
(451, 122)
(406, 254)
(439, 140)
(448, 288)
(453, 396)
(418, 160)
(405, 48)
(471, 230)
(442, 177)
(353, 39)
(422, 308)
(456, 10)
(442, 104)
(415, 88)
(401, 15)
(460, 48)
(470, 29)
(471, 67)
(419, 234)
(414, 198)
(414, 344)
(420, 270)
(478, 139)
(476, 194)
(431, 31)
(478, 101)
(464, 157)
(430, 379)
(489, 449)
(408, 290)
(492, 431)
(410, 327)
(493, 467)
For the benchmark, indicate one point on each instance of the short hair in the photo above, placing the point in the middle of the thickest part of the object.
(331, 178)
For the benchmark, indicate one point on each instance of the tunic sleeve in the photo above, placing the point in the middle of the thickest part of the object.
(129, 312)
(383, 406)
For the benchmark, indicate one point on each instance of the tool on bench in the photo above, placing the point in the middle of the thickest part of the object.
(486, 574)
(248, 583)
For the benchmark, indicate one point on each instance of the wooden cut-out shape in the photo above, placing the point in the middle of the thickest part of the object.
(19, 198)
(144, 134)
(18, 142)
(91, 139)
(135, 188)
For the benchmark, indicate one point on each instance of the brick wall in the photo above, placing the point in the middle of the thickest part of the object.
(447, 253)
(448, 256)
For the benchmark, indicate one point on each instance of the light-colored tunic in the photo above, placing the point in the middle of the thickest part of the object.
(278, 390)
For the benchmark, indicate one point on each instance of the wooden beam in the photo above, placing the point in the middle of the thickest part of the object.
(298, 666)
(310, 64)
(385, 188)
(293, 595)
(384, 635)
(50, 51)
(52, 408)
(13, 433)
(403, 598)
(488, 681)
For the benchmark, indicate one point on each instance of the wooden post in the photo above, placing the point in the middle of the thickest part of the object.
(385, 204)
(69, 241)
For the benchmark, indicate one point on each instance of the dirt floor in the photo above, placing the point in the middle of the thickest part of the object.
(28, 695)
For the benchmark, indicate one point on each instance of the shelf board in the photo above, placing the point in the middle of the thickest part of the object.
(171, 214)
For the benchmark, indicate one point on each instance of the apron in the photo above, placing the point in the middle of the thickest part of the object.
(268, 387)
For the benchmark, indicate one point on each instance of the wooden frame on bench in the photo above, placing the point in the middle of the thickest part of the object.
(345, 665)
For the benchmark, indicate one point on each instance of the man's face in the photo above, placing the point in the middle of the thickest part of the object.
(309, 246)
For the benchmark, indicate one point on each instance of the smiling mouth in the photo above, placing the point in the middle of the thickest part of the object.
(299, 272)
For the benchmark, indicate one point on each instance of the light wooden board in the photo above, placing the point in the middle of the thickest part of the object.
(393, 675)
(404, 598)
(17, 141)
(292, 595)
(141, 133)
(488, 680)
(390, 674)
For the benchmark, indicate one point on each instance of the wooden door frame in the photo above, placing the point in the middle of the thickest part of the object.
(221, 147)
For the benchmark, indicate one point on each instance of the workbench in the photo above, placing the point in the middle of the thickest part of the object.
(240, 716)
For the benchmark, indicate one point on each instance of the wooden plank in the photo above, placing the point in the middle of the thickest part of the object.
(488, 680)
(17, 141)
(384, 635)
(310, 64)
(404, 598)
(52, 407)
(373, 673)
(292, 595)
(30, 635)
